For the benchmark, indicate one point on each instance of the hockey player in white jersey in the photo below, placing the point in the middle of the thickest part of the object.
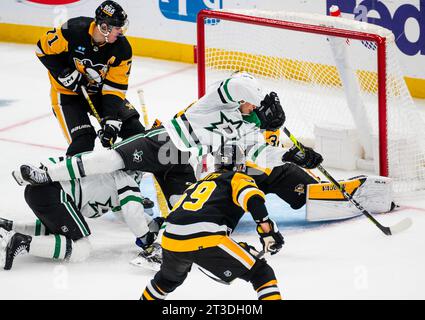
(213, 120)
(61, 231)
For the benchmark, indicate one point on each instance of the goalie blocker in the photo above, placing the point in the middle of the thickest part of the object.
(325, 202)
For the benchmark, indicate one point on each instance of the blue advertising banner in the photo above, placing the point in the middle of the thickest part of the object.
(376, 12)
(186, 10)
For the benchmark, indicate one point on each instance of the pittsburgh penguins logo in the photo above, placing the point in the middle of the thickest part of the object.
(300, 189)
(129, 106)
(95, 73)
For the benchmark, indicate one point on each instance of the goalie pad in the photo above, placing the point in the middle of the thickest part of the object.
(325, 202)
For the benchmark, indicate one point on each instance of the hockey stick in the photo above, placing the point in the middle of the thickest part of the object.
(398, 227)
(88, 99)
(162, 202)
(93, 109)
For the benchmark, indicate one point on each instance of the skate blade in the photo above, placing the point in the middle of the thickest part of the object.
(141, 262)
(16, 174)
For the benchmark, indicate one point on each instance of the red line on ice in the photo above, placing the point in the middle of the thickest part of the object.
(33, 144)
(22, 123)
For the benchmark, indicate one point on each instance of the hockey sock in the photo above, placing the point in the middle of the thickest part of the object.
(31, 229)
(153, 292)
(269, 291)
(54, 247)
(97, 162)
(59, 247)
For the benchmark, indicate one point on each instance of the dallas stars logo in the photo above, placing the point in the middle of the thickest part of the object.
(228, 128)
(99, 207)
(137, 156)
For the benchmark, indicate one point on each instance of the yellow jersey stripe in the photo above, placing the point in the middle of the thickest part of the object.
(53, 42)
(57, 108)
(268, 284)
(239, 182)
(253, 165)
(251, 193)
(147, 295)
(115, 93)
(191, 244)
(273, 297)
(247, 259)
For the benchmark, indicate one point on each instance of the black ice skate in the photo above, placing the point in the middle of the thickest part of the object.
(6, 224)
(18, 244)
(28, 174)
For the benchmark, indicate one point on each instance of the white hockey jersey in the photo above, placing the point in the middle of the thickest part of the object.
(118, 191)
(215, 119)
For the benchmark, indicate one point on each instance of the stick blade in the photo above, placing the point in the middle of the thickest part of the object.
(401, 226)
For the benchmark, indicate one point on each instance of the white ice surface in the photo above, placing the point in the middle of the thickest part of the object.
(344, 260)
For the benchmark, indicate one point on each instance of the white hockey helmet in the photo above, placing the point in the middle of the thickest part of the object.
(243, 87)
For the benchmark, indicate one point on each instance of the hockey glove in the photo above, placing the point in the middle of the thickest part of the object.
(154, 226)
(272, 241)
(109, 132)
(71, 79)
(309, 159)
(146, 240)
(270, 113)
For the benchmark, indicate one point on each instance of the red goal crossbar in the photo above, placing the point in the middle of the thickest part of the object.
(300, 27)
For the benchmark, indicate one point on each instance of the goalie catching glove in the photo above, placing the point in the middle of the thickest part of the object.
(109, 132)
(272, 241)
(270, 112)
(309, 159)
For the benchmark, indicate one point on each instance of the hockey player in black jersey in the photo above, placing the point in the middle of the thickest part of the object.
(94, 54)
(198, 231)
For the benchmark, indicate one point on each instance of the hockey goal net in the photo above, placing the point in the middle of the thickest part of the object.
(325, 69)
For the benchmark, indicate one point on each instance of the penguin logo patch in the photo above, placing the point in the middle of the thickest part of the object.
(300, 189)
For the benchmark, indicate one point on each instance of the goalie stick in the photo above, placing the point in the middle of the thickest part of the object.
(398, 227)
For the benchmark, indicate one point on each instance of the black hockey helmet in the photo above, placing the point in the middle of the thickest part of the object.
(229, 157)
(112, 14)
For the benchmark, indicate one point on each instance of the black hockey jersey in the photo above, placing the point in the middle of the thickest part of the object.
(209, 210)
(107, 67)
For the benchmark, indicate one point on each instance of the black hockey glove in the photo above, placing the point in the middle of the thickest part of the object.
(72, 80)
(109, 132)
(147, 239)
(310, 159)
(270, 112)
(272, 241)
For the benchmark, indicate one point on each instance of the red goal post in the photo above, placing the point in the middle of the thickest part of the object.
(375, 82)
(381, 56)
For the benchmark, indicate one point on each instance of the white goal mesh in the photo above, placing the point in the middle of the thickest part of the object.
(321, 78)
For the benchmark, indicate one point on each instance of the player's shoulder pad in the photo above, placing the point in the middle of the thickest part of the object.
(243, 176)
(74, 28)
(122, 49)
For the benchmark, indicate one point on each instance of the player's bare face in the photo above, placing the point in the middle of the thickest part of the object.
(114, 34)
(246, 108)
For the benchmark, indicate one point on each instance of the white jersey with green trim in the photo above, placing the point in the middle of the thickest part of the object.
(118, 191)
(215, 119)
